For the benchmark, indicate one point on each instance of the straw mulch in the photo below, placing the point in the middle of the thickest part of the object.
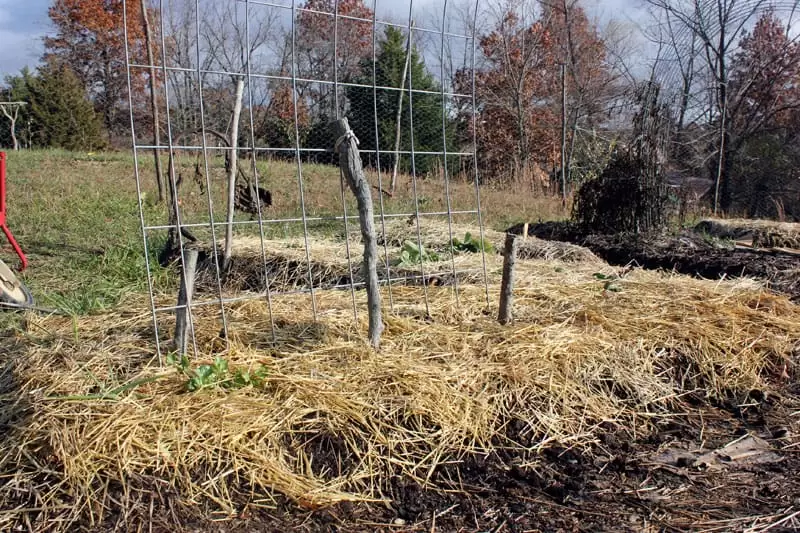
(535, 248)
(335, 421)
(769, 238)
(764, 233)
(287, 266)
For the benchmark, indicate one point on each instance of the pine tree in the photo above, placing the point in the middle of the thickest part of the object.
(63, 117)
(427, 108)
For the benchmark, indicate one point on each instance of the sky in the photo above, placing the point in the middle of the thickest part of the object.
(23, 24)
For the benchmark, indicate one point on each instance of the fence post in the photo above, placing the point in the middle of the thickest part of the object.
(234, 153)
(507, 287)
(350, 161)
(184, 299)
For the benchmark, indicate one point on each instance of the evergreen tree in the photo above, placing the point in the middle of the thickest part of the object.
(62, 116)
(427, 108)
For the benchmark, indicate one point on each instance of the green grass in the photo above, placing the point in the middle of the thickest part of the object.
(77, 216)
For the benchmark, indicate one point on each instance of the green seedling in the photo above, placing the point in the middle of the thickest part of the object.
(217, 374)
(609, 282)
(472, 244)
(413, 254)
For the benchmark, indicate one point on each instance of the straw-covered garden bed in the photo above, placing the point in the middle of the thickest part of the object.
(293, 264)
(715, 249)
(761, 233)
(454, 417)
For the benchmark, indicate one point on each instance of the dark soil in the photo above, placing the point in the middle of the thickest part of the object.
(688, 252)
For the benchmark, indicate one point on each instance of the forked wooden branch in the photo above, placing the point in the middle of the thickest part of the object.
(183, 309)
(350, 161)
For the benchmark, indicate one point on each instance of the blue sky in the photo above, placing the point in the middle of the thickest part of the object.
(22, 25)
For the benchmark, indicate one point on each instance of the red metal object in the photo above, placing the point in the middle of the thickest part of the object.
(3, 225)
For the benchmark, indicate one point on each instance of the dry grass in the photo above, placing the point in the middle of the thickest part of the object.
(335, 421)
(533, 248)
(764, 233)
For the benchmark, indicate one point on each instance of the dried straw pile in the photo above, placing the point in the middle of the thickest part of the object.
(535, 248)
(772, 238)
(764, 233)
(335, 421)
(288, 268)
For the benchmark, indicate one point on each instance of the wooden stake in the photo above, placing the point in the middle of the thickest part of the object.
(184, 299)
(350, 161)
(400, 113)
(234, 143)
(505, 315)
(525, 232)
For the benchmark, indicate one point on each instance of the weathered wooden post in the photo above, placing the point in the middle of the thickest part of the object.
(350, 161)
(507, 287)
(184, 299)
(234, 153)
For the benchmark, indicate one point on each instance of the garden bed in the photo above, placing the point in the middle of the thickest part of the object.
(560, 420)
(692, 252)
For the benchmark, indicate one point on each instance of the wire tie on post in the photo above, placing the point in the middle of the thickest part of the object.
(349, 134)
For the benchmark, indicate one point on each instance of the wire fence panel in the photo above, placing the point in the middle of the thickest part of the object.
(244, 94)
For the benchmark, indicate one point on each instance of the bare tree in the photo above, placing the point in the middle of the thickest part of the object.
(11, 111)
(717, 26)
(198, 42)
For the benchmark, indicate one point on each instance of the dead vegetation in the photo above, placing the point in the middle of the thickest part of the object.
(759, 233)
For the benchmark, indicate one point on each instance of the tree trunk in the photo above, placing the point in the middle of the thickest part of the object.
(12, 117)
(350, 162)
(721, 179)
(400, 115)
(14, 133)
(234, 144)
(183, 311)
(722, 88)
(153, 103)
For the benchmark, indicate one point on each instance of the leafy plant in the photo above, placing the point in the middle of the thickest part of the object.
(413, 254)
(609, 282)
(472, 244)
(217, 374)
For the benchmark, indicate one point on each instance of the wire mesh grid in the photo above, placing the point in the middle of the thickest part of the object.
(249, 89)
